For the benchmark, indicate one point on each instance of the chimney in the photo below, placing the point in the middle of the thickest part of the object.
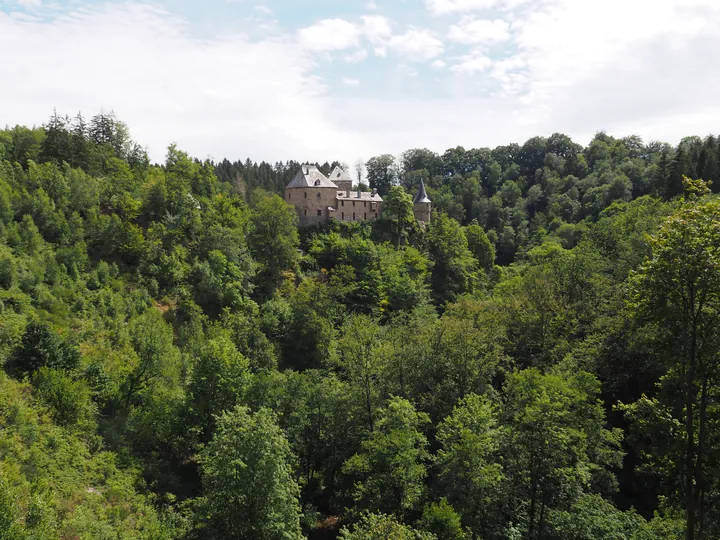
(359, 195)
(374, 192)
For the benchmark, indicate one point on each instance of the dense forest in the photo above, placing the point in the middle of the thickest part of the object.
(540, 361)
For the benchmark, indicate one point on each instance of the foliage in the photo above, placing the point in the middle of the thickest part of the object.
(179, 361)
(247, 477)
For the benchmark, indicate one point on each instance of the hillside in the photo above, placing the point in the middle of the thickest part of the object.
(180, 361)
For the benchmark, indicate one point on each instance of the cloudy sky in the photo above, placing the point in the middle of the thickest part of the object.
(348, 79)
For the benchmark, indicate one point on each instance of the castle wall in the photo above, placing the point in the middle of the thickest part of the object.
(311, 203)
(422, 211)
(353, 209)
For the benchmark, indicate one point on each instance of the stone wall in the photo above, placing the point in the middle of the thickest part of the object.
(357, 210)
(311, 203)
(422, 211)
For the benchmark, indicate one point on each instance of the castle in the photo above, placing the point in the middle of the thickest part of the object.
(318, 198)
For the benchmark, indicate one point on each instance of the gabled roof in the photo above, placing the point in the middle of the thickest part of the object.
(310, 176)
(421, 196)
(339, 174)
(353, 196)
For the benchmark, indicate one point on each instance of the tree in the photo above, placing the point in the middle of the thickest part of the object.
(390, 468)
(42, 347)
(158, 361)
(247, 478)
(480, 246)
(382, 173)
(678, 291)
(454, 268)
(220, 377)
(273, 237)
(555, 443)
(382, 527)
(467, 462)
(398, 211)
(441, 520)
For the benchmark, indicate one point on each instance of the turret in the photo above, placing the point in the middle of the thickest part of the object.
(422, 206)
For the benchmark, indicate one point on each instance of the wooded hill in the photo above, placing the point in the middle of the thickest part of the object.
(538, 362)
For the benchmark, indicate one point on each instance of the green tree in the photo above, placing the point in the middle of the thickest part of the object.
(382, 173)
(441, 520)
(398, 212)
(42, 347)
(220, 376)
(555, 445)
(678, 290)
(382, 527)
(391, 467)
(248, 479)
(454, 268)
(273, 237)
(480, 246)
(468, 462)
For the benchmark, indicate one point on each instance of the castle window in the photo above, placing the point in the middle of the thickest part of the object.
(375, 215)
(319, 212)
(342, 203)
(318, 196)
(342, 216)
(365, 215)
(306, 211)
(353, 216)
(353, 203)
(364, 203)
(306, 194)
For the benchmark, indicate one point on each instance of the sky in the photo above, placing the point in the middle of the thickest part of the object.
(320, 80)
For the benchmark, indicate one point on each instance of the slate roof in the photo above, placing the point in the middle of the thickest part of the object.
(339, 174)
(310, 176)
(353, 196)
(421, 196)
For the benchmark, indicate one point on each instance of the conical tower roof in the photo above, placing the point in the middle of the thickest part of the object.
(421, 196)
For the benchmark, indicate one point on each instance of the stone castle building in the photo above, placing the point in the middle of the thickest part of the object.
(318, 198)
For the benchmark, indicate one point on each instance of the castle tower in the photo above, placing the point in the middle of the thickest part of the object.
(341, 179)
(313, 195)
(422, 206)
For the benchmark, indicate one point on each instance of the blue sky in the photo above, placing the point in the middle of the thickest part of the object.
(348, 79)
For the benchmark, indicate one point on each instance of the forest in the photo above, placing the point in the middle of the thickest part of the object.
(180, 361)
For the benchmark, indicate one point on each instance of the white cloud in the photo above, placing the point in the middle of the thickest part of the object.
(263, 9)
(357, 56)
(442, 7)
(351, 82)
(572, 66)
(472, 63)
(417, 45)
(330, 35)
(164, 85)
(30, 4)
(372, 5)
(589, 68)
(471, 31)
(438, 64)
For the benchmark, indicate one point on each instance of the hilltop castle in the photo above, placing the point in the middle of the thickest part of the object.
(318, 198)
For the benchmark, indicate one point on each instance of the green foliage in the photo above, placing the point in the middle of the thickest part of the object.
(390, 468)
(273, 237)
(247, 479)
(458, 377)
(382, 527)
(441, 520)
(42, 347)
(454, 268)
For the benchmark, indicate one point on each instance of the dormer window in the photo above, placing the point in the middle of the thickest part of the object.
(318, 196)
(317, 182)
